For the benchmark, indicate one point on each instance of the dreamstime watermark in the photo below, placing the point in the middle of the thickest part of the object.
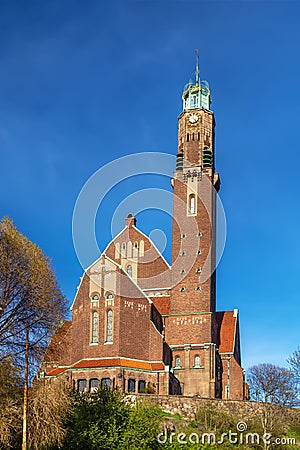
(239, 436)
(100, 184)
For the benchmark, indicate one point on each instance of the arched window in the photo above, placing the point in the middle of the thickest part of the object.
(109, 296)
(129, 249)
(142, 248)
(95, 297)
(192, 204)
(95, 327)
(197, 361)
(129, 270)
(109, 326)
(177, 361)
(123, 249)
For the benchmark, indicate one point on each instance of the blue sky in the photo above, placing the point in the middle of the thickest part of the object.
(84, 83)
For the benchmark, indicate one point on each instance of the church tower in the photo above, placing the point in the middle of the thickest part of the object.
(190, 324)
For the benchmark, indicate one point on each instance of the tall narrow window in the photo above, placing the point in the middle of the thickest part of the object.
(109, 326)
(95, 327)
(123, 249)
(192, 204)
(142, 247)
(129, 270)
(177, 361)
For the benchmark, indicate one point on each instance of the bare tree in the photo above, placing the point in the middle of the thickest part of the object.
(11, 403)
(294, 363)
(272, 384)
(48, 407)
(31, 303)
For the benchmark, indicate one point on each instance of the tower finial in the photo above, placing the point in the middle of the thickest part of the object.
(197, 66)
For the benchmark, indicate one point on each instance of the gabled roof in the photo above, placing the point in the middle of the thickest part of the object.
(57, 339)
(227, 324)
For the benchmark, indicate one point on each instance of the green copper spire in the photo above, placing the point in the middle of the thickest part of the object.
(196, 94)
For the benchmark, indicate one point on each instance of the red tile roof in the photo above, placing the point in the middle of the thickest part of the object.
(55, 372)
(162, 304)
(111, 362)
(226, 325)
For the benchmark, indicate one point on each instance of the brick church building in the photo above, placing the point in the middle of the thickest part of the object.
(141, 325)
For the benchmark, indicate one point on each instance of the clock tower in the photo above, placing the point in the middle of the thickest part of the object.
(190, 325)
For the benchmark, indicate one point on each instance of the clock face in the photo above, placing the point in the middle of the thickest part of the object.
(193, 118)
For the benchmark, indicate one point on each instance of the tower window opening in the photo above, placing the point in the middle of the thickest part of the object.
(188, 137)
(193, 136)
(194, 101)
(198, 136)
(182, 289)
(95, 327)
(192, 204)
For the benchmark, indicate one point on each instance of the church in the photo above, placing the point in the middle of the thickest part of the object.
(142, 325)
